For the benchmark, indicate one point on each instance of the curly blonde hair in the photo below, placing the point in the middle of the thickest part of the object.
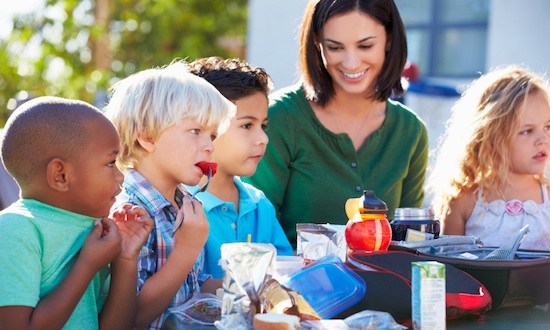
(474, 152)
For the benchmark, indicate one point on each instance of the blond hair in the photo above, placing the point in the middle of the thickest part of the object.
(148, 102)
(474, 152)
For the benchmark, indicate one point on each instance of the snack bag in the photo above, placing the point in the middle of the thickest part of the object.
(246, 266)
(202, 309)
(315, 241)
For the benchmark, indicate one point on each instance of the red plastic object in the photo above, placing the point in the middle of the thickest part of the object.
(205, 166)
(369, 229)
(370, 233)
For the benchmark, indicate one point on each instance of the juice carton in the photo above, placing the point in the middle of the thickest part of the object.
(428, 295)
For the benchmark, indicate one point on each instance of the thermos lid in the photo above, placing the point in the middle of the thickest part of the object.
(414, 213)
(372, 204)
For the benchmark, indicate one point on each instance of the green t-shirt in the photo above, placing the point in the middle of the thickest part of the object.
(308, 172)
(40, 244)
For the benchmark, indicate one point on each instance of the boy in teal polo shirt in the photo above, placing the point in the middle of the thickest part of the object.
(236, 211)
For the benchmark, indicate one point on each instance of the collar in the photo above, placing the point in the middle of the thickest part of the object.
(137, 185)
(246, 197)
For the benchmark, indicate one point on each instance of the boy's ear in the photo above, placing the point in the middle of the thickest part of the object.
(56, 175)
(146, 143)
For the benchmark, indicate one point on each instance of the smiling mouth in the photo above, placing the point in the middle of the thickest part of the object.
(353, 75)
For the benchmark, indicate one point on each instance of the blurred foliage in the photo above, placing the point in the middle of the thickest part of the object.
(66, 50)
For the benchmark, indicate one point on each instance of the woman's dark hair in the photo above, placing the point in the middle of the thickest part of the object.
(316, 79)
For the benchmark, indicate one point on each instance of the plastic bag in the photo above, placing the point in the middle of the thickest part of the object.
(246, 266)
(202, 309)
(372, 320)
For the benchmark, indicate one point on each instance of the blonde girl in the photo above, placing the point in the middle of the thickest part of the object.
(489, 177)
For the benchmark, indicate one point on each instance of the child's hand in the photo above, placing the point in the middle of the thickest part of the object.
(194, 228)
(102, 245)
(134, 225)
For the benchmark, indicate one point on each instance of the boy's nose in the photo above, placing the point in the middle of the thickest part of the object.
(208, 146)
(119, 177)
(262, 137)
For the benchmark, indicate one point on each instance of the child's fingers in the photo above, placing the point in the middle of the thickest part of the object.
(130, 212)
(186, 203)
(123, 208)
(109, 226)
(187, 209)
(198, 207)
(138, 211)
(117, 216)
(97, 230)
(120, 213)
(180, 216)
(141, 219)
(193, 206)
(146, 222)
(131, 216)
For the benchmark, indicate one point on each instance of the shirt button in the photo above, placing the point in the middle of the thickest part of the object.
(353, 164)
(234, 225)
(224, 208)
(357, 188)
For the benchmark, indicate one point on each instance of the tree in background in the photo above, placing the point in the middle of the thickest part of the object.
(79, 48)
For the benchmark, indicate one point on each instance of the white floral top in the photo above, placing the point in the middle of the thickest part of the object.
(497, 222)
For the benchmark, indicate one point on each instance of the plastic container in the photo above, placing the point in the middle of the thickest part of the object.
(369, 229)
(285, 265)
(420, 219)
(328, 285)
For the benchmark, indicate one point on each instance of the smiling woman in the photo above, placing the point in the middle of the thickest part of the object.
(339, 124)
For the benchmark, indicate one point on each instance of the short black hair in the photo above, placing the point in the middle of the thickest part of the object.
(234, 78)
(316, 79)
(44, 128)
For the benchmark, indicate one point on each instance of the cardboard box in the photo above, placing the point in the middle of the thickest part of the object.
(428, 295)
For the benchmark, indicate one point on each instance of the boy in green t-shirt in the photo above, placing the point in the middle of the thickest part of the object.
(57, 241)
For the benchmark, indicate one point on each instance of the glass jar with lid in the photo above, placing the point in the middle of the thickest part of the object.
(420, 219)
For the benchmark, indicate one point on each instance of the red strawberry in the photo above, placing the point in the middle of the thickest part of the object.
(205, 166)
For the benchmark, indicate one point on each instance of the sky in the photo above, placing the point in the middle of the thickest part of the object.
(13, 7)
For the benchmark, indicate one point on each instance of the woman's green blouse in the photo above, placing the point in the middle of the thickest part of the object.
(308, 172)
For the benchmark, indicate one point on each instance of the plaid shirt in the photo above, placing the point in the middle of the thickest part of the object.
(138, 191)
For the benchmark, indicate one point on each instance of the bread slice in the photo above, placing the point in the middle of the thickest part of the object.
(276, 321)
(279, 299)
